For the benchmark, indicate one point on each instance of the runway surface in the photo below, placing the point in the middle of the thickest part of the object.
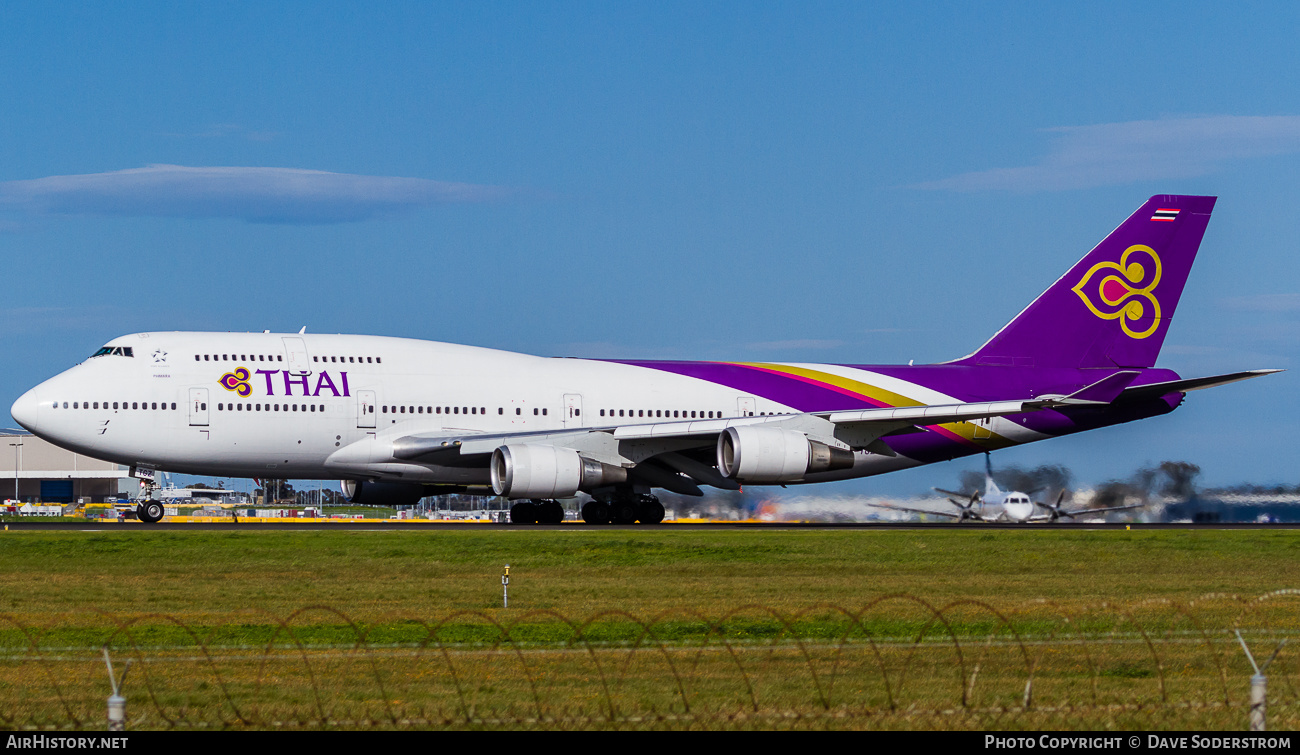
(438, 527)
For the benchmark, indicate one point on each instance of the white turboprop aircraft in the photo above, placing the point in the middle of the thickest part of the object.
(997, 505)
(397, 419)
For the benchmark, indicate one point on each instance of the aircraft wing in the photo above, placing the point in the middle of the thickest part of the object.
(1080, 512)
(954, 493)
(674, 454)
(949, 514)
(628, 445)
(631, 443)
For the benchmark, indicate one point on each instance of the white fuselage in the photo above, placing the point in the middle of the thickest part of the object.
(180, 403)
(1009, 507)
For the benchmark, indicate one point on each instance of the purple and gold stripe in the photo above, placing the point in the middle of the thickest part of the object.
(810, 390)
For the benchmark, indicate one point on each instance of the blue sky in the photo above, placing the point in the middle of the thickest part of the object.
(823, 182)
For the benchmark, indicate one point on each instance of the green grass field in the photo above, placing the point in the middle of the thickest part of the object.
(663, 627)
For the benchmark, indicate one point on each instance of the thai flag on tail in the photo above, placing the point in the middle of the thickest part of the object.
(1165, 215)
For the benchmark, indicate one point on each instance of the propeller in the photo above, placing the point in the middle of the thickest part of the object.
(967, 509)
(1054, 510)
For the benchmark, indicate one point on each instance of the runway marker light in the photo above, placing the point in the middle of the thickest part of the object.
(505, 587)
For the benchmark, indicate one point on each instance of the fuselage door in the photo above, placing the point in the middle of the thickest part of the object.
(366, 408)
(299, 363)
(198, 407)
(745, 405)
(573, 410)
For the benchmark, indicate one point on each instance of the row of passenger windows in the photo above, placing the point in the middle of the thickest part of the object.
(350, 360)
(671, 414)
(239, 358)
(257, 357)
(457, 410)
(124, 405)
(238, 407)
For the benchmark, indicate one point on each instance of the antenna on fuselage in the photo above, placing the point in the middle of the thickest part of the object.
(304, 330)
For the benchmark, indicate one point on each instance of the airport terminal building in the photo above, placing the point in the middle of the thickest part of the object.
(34, 471)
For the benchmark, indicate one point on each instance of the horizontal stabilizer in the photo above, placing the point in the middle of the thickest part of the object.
(1103, 391)
(1156, 390)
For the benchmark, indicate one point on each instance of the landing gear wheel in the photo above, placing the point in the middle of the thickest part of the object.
(623, 510)
(595, 512)
(651, 511)
(149, 512)
(523, 512)
(550, 512)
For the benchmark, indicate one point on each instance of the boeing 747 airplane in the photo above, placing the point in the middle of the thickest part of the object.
(397, 419)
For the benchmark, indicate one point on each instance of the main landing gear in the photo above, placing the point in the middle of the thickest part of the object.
(624, 508)
(536, 512)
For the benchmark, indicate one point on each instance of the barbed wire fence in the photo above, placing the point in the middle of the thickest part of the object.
(897, 661)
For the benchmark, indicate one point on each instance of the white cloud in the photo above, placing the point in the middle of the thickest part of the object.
(1107, 154)
(224, 130)
(37, 320)
(1190, 350)
(801, 343)
(257, 195)
(1264, 302)
(612, 350)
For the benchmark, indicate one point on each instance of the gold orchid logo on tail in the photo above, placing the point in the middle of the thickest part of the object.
(1125, 293)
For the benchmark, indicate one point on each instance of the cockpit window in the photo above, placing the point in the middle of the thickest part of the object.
(119, 351)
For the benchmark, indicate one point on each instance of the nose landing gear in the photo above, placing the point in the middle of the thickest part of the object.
(149, 510)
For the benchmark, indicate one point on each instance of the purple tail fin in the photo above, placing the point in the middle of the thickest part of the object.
(1112, 309)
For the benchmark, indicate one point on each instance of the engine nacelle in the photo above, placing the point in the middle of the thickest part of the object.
(524, 470)
(369, 493)
(770, 454)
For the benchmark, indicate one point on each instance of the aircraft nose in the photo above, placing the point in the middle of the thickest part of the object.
(26, 409)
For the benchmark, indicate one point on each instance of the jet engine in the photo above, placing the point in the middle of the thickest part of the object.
(525, 470)
(770, 454)
(368, 493)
